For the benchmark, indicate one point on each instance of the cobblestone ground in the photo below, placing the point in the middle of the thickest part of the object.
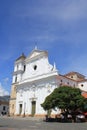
(9, 123)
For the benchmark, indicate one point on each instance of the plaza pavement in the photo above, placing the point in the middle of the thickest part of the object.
(32, 123)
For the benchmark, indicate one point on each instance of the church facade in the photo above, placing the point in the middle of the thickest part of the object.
(34, 78)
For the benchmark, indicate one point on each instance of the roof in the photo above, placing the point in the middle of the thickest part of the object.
(82, 80)
(4, 98)
(36, 53)
(84, 94)
(21, 57)
(73, 73)
(66, 78)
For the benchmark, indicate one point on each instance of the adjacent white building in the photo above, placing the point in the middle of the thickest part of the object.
(4, 105)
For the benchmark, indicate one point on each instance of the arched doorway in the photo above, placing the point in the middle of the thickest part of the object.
(20, 109)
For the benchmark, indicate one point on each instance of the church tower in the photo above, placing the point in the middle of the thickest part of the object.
(19, 68)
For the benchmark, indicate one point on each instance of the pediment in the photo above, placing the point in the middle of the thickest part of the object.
(36, 53)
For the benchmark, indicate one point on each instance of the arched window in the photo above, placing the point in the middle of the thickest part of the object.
(15, 78)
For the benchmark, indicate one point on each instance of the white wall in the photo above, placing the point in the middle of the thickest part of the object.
(43, 67)
(42, 89)
(83, 86)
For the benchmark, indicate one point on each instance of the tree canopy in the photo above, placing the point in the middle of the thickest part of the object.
(66, 98)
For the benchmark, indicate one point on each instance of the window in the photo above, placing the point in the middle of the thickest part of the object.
(72, 77)
(17, 67)
(4, 108)
(24, 67)
(68, 83)
(82, 85)
(35, 67)
(16, 78)
(12, 106)
(5, 113)
(61, 80)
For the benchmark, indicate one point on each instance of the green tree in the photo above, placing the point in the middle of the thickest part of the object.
(65, 98)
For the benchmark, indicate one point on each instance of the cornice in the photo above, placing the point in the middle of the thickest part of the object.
(12, 98)
(18, 72)
(36, 78)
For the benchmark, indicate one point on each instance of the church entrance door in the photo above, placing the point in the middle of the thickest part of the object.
(33, 108)
(20, 108)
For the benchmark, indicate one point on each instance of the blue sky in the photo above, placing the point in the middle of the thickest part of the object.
(58, 26)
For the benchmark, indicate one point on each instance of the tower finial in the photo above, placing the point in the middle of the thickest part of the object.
(54, 67)
(35, 46)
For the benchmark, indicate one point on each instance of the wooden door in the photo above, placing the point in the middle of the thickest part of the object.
(33, 108)
(20, 108)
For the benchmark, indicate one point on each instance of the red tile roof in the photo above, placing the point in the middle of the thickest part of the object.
(73, 73)
(84, 94)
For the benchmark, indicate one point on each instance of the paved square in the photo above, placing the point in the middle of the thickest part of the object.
(9, 123)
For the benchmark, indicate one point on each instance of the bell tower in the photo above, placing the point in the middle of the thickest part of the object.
(19, 68)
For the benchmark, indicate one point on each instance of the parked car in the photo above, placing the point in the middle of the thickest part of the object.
(80, 117)
(85, 113)
(66, 117)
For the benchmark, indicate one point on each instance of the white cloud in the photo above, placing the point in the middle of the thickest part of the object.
(54, 9)
(6, 79)
(49, 22)
(73, 10)
(3, 92)
(53, 15)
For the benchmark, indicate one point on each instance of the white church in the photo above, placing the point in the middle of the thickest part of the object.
(34, 78)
